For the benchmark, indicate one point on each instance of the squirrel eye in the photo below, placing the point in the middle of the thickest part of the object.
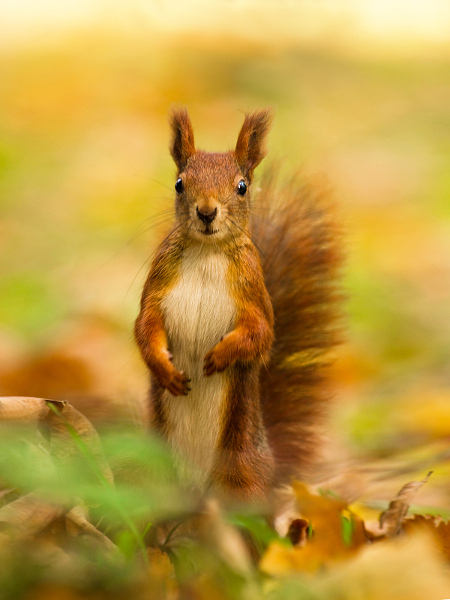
(179, 187)
(241, 188)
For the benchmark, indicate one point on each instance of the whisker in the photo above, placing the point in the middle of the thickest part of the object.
(225, 201)
(151, 256)
(156, 224)
(186, 234)
(232, 235)
(146, 229)
(263, 219)
(158, 214)
(147, 262)
(249, 237)
(268, 213)
(168, 187)
(140, 230)
(172, 231)
(154, 218)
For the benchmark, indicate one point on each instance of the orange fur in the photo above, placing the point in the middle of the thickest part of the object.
(182, 145)
(150, 323)
(264, 437)
(300, 242)
(250, 148)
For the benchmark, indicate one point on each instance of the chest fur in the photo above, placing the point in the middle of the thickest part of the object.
(198, 311)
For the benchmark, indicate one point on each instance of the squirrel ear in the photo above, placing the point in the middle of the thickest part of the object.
(182, 145)
(250, 146)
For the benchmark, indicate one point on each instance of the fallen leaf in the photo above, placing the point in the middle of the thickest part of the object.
(77, 525)
(29, 514)
(405, 568)
(334, 534)
(392, 518)
(438, 528)
(223, 539)
(70, 432)
(22, 410)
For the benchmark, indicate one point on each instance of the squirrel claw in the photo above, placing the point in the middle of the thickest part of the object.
(210, 365)
(178, 385)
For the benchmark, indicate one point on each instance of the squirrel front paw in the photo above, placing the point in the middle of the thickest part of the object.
(216, 361)
(169, 378)
(178, 384)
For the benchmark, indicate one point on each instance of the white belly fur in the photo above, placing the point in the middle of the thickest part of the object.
(198, 311)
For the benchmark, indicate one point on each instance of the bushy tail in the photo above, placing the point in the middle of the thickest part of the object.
(301, 252)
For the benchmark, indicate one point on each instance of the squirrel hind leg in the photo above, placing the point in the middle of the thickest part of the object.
(243, 477)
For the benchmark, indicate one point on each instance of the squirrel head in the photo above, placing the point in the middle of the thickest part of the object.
(213, 189)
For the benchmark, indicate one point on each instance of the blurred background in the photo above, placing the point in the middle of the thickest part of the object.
(361, 91)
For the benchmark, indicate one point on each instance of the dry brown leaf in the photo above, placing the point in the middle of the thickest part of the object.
(68, 428)
(392, 518)
(23, 410)
(29, 514)
(223, 539)
(77, 525)
(336, 534)
(70, 435)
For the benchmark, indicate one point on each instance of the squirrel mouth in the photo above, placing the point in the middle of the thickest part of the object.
(208, 231)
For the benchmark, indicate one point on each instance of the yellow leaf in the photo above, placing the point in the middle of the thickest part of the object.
(407, 568)
(336, 533)
(440, 530)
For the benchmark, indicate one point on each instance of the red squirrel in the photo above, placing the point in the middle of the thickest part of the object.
(237, 314)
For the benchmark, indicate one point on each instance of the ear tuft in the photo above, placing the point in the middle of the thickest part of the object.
(250, 146)
(182, 145)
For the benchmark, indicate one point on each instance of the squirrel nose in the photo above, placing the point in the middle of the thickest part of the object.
(207, 218)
